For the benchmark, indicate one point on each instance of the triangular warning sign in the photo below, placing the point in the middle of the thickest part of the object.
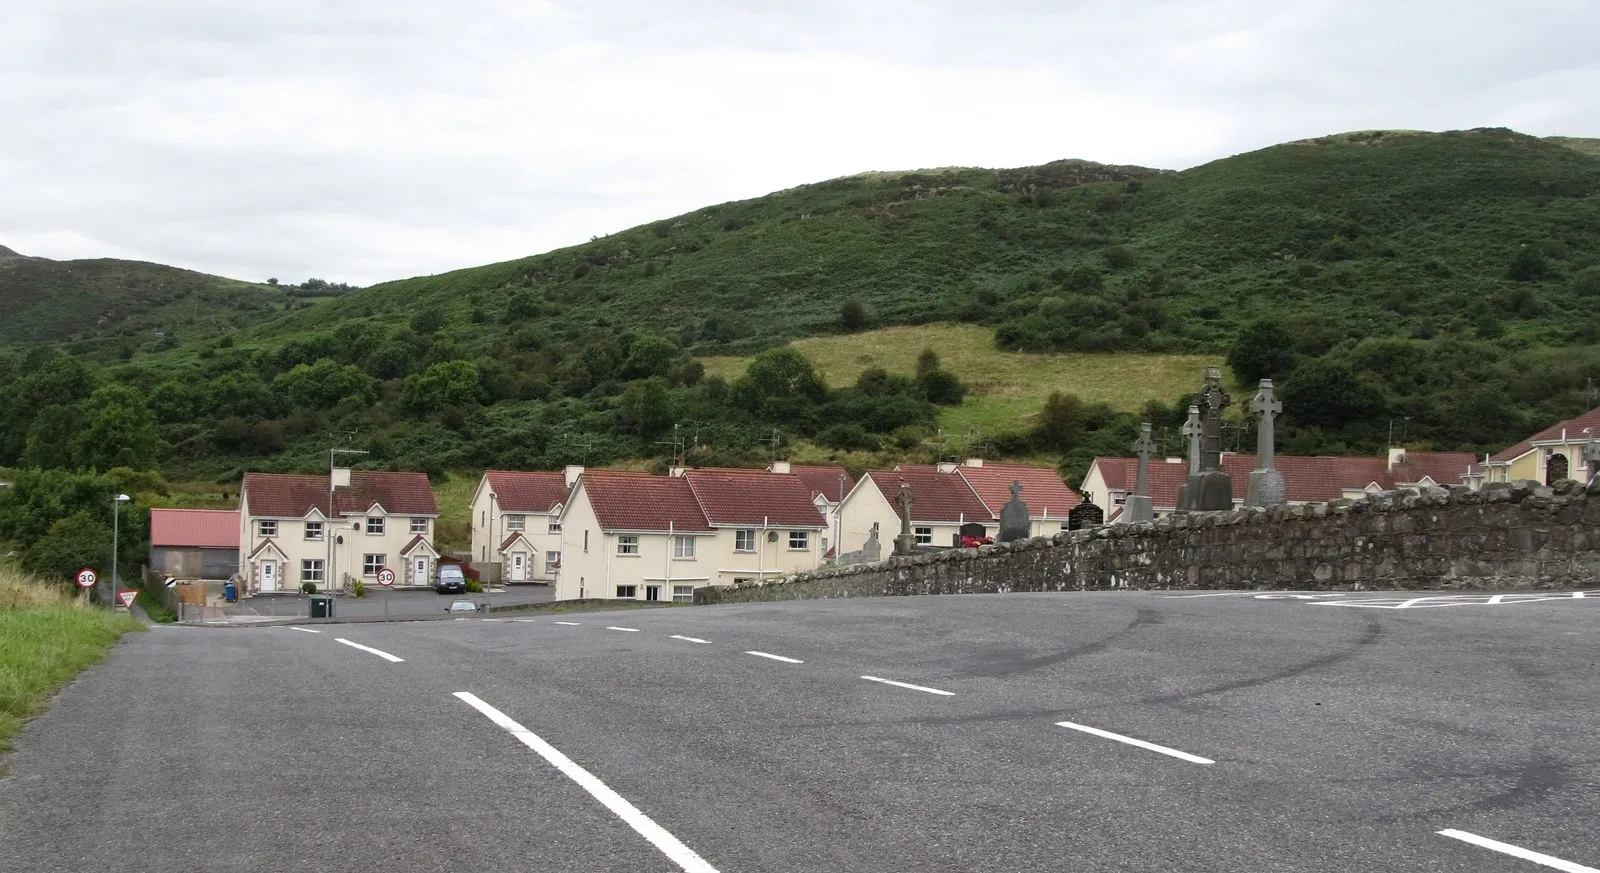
(127, 598)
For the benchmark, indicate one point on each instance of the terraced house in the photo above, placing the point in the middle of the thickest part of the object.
(1557, 452)
(296, 529)
(946, 497)
(516, 524)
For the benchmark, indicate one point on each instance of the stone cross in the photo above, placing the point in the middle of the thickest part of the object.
(1591, 456)
(906, 500)
(1191, 429)
(1144, 447)
(1268, 407)
(1211, 400)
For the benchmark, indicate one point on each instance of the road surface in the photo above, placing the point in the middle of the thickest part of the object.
(1139, 731)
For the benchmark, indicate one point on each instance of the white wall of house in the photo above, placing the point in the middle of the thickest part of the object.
(752, 552)
(629, 565)
(491, 526)
(867, 504)
(371, 540)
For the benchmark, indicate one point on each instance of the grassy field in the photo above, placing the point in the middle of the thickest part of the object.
(46, 638)
(1008, 388)
(454, 531)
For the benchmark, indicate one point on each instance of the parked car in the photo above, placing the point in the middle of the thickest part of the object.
(461, 606)
(451, 580)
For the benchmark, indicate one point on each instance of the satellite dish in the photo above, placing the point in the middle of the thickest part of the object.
(772, 536)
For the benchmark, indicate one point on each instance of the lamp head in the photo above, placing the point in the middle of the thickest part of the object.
(122, 498)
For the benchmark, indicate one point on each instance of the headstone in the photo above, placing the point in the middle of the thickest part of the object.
(1591, 456)
(1138, 507)
(1210, 489)
(906, 542)
(1191, 429)
(1084, 515)
(1266, 487)
(871, 552)
(1014, 516)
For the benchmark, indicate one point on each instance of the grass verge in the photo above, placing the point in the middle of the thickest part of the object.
(46, 638)
(154, 608)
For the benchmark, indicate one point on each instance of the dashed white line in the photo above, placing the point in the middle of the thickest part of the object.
(775, 657)
(691, 639)
(494, 619)
(1187, 596)
(379, 652)
(1194, 759)
(631, 630)
(1516, 851)
(570, 623)
(669, 845)
(910, 686)
(305, 630)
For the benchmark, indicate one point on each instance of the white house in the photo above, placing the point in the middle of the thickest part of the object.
(516, 527)
(295, 529)
(828, 487)
(1046, 494)
(766, 523)
(941, 504)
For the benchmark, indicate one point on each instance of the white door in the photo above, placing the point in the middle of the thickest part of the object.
(519, 567)
(421, 577)
(269, 575)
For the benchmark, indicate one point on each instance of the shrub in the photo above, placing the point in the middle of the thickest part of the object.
(853, 315)
(308, 588)
(1528, 264)
(474, 586)
(358, 589)
(1118, 257)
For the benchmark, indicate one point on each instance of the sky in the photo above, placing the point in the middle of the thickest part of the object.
(364, 140)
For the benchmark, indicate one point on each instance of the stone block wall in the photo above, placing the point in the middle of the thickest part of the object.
(1509, 535)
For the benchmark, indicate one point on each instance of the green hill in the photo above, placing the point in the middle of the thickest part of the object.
(1589, 146)
(104, 305)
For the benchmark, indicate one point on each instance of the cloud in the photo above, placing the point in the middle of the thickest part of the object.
(369, 140)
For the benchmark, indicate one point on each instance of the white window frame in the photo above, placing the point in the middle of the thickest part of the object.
(368, 568)
(376, 525)
(803, 537)
(627, 592)
(553, 526)
(682, 593)
(311, 570)
(627, 546)
(924, 535)
(747, 535)
(516, 521)
(419, 526)
(683, 548)
(313, 530)
(266, 527)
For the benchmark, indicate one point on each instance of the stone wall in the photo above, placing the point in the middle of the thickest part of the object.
(1508, 535)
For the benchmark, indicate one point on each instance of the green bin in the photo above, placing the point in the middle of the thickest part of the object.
(321, 606)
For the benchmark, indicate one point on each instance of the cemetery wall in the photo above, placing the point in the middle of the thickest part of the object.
(1506, 536)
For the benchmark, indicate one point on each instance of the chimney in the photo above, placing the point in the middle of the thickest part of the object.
(573, 472)
(974, 462)
(341, 477)
(676, 471)
(780, 467)
(1397, 455)
(947, 467)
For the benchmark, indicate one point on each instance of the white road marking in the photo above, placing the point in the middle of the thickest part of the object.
(1516, 851)
(305, 630)
(907, 685)
(524, 620)
(1194, 759)
(691, 639)
(631, 630)
(685, 857)
(570, 623)
(494, 619)
(1443, 600)
(775, 657)
(382, 654)
(1187, 596)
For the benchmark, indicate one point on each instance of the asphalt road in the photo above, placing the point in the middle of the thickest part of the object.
(1278, 734)
(398, 603)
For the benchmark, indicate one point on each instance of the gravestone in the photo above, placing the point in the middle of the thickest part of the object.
(1210, 489)
(1266, 487)
(1084, 515)
(1138, 507)
(1591, 456)
(871, 552)
(971, 531)
(906, 542)
(1191, 429)
(1014, 516)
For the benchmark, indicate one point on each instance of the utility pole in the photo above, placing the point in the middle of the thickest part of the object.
(334, 521)
(773, 442)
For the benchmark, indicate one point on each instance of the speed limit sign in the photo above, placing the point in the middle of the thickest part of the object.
(86, 578)
(386, 577)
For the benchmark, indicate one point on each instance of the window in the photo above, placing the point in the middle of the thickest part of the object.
(485, 554)
(627, 545)
(1119, 498)
(374, 525)
(924, 536)
(683, 594)
(371, 564)
(516, 522)
(313, 530)
(311, 571)
(554, 526)
(744, 540)
(419, 526)
(1066, 525)
(652, 592)
(267, 528)
(552, 561)
(631, 592)
(799, 539)
(683, 548)
(586, 542)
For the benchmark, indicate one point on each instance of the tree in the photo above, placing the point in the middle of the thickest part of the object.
(51, 436)
(428, 320)
(1528, 264)
(853, 315)
(647, 407)
(779, 384)
(1059, 421)
(650, 355)
(72, 543)
(927, 362)
(941, 387)
(324, 385)
(121, 432)
(440, 387)
(1263, 350)
(1330, 394)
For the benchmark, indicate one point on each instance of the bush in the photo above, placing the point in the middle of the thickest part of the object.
(1528, 264)
(474, 586)
(853, 315)
(308, 588)
(358, 589)
(1118, 257)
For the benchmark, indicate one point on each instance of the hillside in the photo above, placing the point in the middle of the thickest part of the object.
(1589, 146)
(107, 305)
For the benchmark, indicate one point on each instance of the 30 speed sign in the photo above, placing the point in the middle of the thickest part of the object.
(386, 577)
(86, 578)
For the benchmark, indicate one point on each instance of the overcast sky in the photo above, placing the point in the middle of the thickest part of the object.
(363, 140)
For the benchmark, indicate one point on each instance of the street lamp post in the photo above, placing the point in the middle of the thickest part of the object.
(115, 536)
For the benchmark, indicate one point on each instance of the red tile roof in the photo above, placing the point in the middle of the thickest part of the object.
(1309, 479)
(1573, 426)
(754, 497)
(1042, 488)
(280, 495)
(640, 501)
(824, 480)
(527, 492)
(194, 528)
(937, 497)
(418, 541)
